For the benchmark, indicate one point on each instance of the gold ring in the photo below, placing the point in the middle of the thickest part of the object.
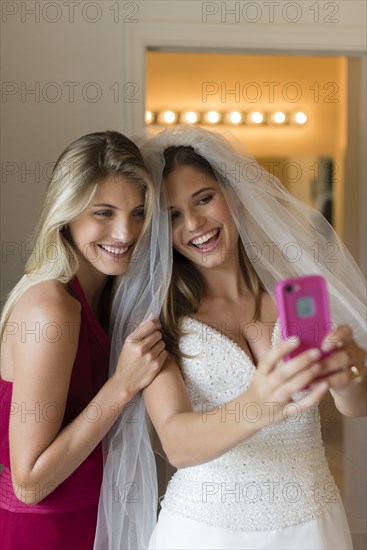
(356, 374)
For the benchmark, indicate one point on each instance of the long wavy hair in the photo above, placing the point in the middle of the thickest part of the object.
(73, 184)
(187, 284)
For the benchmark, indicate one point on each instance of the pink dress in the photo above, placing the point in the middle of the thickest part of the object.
(66, 518)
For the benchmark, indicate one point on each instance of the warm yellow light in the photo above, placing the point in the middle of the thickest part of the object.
(279, 117)
(169, 117)
(256, 117)
(148, 117)
(300, 118)
(191, 117)
(213, 117)
(235, 117)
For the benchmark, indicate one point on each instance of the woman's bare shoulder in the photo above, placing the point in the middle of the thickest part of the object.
(50, 299)
(46, 308)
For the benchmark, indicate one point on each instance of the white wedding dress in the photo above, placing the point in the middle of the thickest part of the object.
(271, 492)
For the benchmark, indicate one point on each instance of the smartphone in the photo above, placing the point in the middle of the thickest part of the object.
(303, 309)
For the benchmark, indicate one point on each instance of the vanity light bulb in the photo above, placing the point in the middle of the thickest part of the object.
(257, 118)
(213, 117)
(191, 117)
(279, 117)
(300, 118)
(169, 117)
(235, 117)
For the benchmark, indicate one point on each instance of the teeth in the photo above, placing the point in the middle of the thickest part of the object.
(114, 250)
(204, 238)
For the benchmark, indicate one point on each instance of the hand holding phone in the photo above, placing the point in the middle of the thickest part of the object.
(303, 309)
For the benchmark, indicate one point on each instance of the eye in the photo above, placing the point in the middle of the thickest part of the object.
(174, 215)
(206, 199)
(140, 214)
(104, 213)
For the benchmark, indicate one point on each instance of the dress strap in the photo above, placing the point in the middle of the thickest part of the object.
(91, 319)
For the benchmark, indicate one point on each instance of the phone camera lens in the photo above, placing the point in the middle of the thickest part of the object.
(289, 288)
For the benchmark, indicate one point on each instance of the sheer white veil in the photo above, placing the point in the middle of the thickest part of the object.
(128, 502)
(282, 237)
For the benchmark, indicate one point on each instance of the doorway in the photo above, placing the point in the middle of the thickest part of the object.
(307, 156)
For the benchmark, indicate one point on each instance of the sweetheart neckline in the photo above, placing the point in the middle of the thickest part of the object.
(232, 342)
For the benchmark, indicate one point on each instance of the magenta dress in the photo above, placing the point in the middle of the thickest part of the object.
(66, 518)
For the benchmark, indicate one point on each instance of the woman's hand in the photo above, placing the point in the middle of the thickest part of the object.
(344, 367)
(273, 386)
(141, 358)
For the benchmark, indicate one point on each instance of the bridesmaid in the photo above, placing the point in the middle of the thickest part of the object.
(56, 401)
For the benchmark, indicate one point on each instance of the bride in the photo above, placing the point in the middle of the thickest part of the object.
(231, 415)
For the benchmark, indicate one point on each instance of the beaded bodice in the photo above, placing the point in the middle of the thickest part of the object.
(277, 478)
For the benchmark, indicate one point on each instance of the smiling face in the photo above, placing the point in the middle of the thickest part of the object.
(106, 233)
(203, 229)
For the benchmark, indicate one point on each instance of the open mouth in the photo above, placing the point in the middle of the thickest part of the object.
(207, 242)
(115, 251)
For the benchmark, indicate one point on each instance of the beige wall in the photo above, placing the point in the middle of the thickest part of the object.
(35, 129)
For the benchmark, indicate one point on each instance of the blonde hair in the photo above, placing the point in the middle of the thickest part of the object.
(74, 180)
(186, 286)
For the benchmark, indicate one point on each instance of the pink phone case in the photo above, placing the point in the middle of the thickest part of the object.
(303, 309)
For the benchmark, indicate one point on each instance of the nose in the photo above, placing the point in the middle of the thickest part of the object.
(123, 231)
(193, 220)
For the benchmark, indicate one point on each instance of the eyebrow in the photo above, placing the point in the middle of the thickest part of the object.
(198, 193)
(113, 207)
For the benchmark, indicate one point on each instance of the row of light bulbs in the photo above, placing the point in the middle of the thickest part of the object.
(236, 118)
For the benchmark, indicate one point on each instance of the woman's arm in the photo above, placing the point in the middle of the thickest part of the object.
(352, 400)
(41, 455)
(348, 390)
(190, 438)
